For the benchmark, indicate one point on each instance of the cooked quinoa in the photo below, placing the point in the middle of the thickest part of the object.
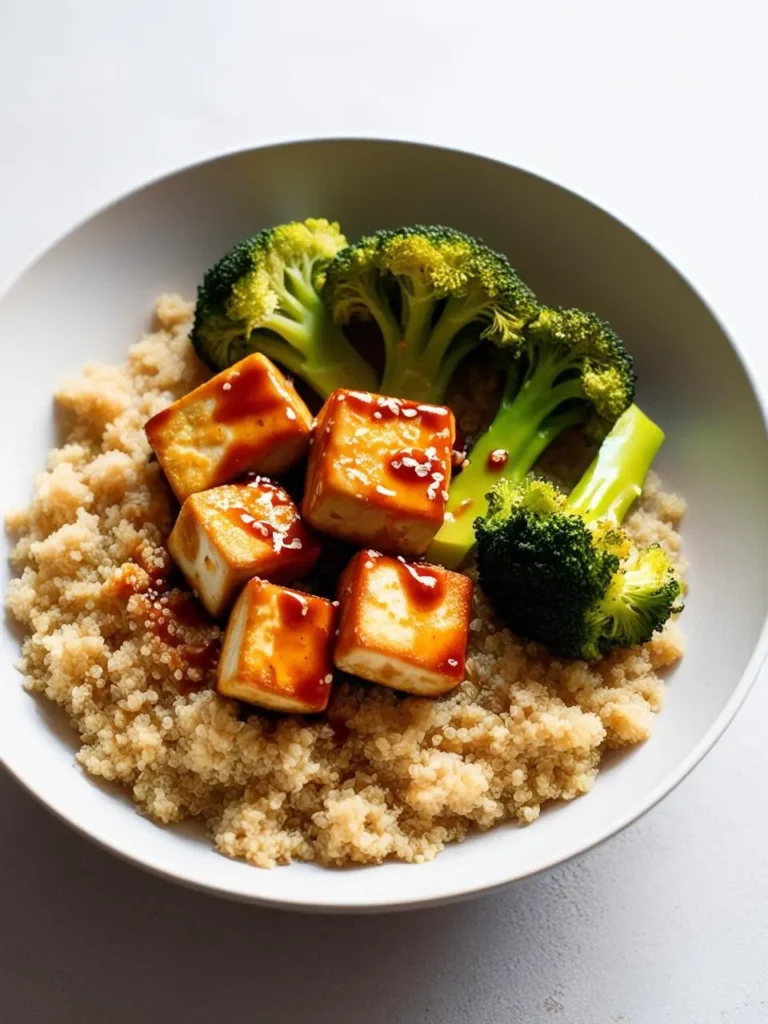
(378, 775)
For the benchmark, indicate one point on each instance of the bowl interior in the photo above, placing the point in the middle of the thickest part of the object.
(89, 297)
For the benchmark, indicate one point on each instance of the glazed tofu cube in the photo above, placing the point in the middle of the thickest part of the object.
(403, 624)
(246, 419)
(379, 470)
(277, 649)
(225, 536)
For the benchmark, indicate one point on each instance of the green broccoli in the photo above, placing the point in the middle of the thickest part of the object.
(263, 296)
(571, 369)
(561, 571)
(434, 293)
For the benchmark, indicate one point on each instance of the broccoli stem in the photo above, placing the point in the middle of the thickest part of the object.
(424, 375)
(421, 366)
(315, 349)
(375, 301)
(616, 476)
(419, 309)
(457, 313)
(333, 363)
(406, 372)
(301, 284)
(526, 424)
(636, 596)
(278, 351)
(404, 381)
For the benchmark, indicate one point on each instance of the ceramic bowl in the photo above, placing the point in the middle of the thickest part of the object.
(89, 296)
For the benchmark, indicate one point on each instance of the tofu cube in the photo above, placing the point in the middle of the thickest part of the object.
(277, 649)
(379, 470)
(403, 624)
(224, 536)
(246, 419)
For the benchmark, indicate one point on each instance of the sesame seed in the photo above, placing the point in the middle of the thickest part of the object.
(290, 413)
(410, 413)
(329, 678)
(227, 386)
(452, 662)
(377, 415)
(445, 495)
(369, 564)
(385, 491)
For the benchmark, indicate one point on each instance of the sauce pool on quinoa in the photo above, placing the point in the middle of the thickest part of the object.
(171, 615)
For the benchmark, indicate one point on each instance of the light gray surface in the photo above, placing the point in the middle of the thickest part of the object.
(658, 116)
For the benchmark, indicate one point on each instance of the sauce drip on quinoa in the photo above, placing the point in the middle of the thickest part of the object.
(170, 614)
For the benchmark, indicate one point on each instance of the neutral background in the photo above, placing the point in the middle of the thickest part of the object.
(657, 112)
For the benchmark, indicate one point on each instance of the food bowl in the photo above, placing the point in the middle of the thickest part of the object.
(89, 296)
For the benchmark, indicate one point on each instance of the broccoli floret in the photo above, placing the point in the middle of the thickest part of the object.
(435, 293)
(264, 296)
(562, 571)
(571, 369)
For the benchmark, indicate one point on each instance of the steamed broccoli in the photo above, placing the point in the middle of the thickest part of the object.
(561, 571)
(435, 293)
(571, 369)
(263, 296)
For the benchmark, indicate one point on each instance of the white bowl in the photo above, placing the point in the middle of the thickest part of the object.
(90, 295)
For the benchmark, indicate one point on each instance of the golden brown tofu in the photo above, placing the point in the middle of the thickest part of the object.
(247, 418)
(225, 536)
(403, 624)
(379, 470)
(277, 649)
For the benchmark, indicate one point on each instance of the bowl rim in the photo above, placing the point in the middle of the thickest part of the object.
(461, 890)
